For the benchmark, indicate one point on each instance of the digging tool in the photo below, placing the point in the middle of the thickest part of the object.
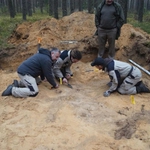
(89, 70)
(69, 42)
(69, 85)
(146, 71)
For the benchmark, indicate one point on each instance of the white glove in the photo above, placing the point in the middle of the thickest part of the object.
(65, 80)
(106, 93)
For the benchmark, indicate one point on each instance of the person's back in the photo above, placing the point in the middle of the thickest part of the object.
(37, 64)
(122, 67)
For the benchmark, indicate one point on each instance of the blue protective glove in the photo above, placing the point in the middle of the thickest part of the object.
(106, 93)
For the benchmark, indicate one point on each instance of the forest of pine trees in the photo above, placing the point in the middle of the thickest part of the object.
(60, 8)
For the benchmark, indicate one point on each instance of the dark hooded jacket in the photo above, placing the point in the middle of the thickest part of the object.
(119, 15)
(40, 64)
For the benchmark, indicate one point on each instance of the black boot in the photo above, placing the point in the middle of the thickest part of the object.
(7, 92)
(141, 88)
(15, 83)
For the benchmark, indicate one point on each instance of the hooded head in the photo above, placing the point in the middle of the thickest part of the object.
(98, 62)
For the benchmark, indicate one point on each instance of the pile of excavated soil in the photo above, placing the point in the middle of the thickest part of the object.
(79, 118)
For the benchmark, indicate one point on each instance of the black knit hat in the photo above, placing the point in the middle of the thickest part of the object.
(98, 61)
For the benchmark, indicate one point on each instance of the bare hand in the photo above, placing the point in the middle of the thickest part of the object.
(56, 86)
(68, 76)
(45, 80)
(65, 80)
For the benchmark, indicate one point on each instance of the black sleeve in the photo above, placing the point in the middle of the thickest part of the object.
(42, 76)
(48, 73)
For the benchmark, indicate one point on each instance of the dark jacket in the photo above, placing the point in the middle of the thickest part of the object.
(119, 16)
(40, 64)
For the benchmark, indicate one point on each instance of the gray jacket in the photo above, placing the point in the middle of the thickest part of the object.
(64, 61)
(117, 71)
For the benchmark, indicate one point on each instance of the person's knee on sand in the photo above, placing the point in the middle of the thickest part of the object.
(24, 92)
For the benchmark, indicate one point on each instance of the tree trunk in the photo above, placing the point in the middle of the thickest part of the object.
(90, 6)
(84, 4)
(14, 7)
(80, 5)
(140, 11)
(33, 6)
(51, 6)
(148, 5)
(11, 9)
(41, 5)
(24, 10)
(96, 3)
(56, 9)
(64, 7)
(136, 8)
(124, 4)
(72, 6)
(29, 7)
(131, 5)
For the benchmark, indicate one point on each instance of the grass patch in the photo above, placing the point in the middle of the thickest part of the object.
(145, 25)
(7, 25)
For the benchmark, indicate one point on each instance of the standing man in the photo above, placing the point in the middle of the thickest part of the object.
(109, 18)
(62, 66)
(40, 64)
(126, 79)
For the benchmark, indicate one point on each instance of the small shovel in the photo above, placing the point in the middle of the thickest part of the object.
(69, 85)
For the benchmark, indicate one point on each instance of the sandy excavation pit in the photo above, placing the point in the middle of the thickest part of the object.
(79, 118)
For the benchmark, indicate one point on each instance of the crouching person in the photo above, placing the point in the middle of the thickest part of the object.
(62, 67)
(40, 64)
(125, 79)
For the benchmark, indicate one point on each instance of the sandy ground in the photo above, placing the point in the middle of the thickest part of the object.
(79, 118)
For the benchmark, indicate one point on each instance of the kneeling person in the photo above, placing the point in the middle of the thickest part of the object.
(40, 64)
(62, 66)
(125, 79)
